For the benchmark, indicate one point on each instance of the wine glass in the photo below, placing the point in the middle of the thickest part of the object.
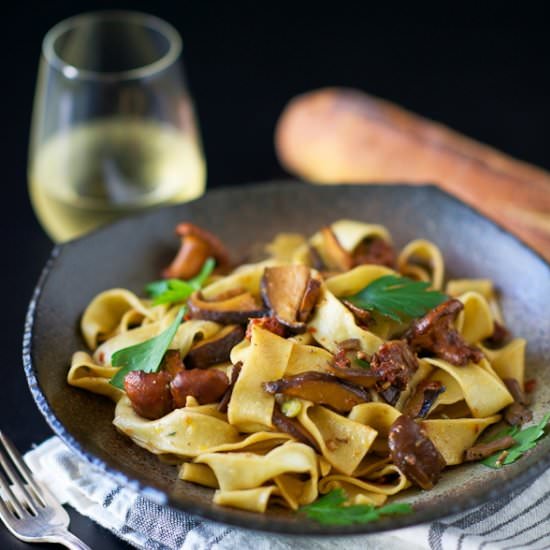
(113, 128)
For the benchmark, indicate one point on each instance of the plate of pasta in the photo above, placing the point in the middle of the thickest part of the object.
(298, 359)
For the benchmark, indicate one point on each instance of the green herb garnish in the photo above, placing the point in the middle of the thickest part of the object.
(398, 298)
(330, 510)
(146, 356)
(176, 290)
(362, 363)
(525, 440)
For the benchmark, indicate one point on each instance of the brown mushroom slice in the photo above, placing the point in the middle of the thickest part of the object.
(335, 256)
(321, 388)
(205, 385)
(215, 349)
(355, 375)
(309, 300)
(283, 289)
(517, 413)
(423, 399)
(149, 393)
(363, 317)
(413, 452)
(374, 250)
(293, 428)
(235, 371)
(196, 246)
(484, 450)
(172, 362)
(235, 310)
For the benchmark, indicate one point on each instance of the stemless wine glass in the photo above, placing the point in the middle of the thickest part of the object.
(113, 128)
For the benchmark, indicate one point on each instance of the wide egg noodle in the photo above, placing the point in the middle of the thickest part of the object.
(356, 279)
(508, 361)
(332, 323)
(242, 471)
(343, 442)
(253, 500)
(183, 432)
(484, 393)
(350, 234)
(198, 473)
(453, 436)
(105, 311)
(85, 373)
(250, 407)
(421, 250)
(307, 359)
(475, 321)
(378, 416)
(485, 287)
(285, 246)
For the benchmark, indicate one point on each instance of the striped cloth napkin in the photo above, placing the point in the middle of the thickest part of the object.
(519, 520)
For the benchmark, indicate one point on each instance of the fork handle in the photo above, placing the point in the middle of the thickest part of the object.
(68, 540)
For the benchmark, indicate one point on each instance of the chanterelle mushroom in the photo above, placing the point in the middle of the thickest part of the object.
(197, 245)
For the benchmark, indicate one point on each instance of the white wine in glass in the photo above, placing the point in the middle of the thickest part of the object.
(113, 125)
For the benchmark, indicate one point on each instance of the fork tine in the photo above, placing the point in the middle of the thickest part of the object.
(22, 468)
(17, 481)
(11, 498)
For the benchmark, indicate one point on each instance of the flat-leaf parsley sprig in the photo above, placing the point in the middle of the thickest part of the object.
(526, 439)
(330, 510)
(146, 356)
(398, 298)
(176, 290)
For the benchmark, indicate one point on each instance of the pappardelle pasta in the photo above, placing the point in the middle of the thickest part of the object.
(333, 363)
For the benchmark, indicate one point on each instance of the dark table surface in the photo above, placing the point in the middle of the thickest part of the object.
(485, 74)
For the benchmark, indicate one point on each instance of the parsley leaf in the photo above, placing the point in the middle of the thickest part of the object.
(176, 290)
(362, 363)
(525, 440)
(329, 510)
(146, 356)
(398, 298)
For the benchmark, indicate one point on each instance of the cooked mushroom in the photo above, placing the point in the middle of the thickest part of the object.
(196, 246)
(215, 349)
(374, 250)
(435, 333)
(423, 399)
(270, 324)
(500, 336)
(172, 362)
(149, 393)
(357, 376)
(335, 256)
(309, 300)
(293, 428)
(235, 371)
(484, 450)
(233, 310)
(517, 413)
(320, 388)
(283, 291)
(363, 317)
(413, 452)
(316, 260)
(393, 365)
(205, 385)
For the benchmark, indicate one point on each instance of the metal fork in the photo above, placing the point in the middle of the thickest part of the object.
(27, 508)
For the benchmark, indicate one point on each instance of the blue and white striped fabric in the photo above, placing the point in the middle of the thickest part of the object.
(520, 520)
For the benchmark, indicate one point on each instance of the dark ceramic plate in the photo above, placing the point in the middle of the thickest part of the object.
(131, 253)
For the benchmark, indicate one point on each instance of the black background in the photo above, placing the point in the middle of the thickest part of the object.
(483, 73)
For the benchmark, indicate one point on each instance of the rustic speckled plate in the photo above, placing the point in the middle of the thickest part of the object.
(131, 253)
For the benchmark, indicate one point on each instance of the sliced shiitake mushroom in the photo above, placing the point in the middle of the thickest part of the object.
(423, 398)
(233, 310)
(484, 450)
(215, 349)
(283, 290)
(357, 376)
(309, 300)
(293, 428)
(321, 388)
(235, 371)
(413, 452)
(335, 256)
